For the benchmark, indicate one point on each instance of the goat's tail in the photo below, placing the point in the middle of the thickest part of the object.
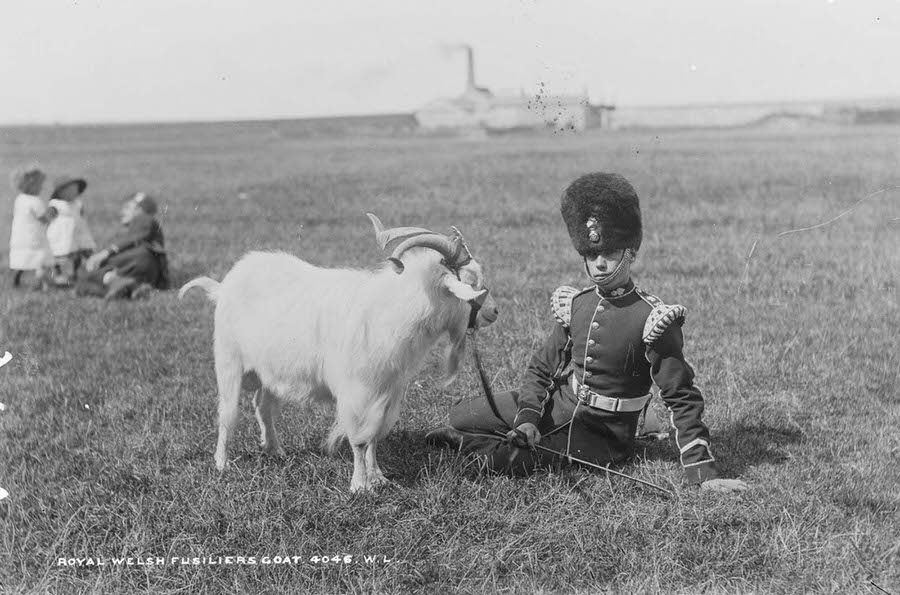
(335, 436)
(210, 286)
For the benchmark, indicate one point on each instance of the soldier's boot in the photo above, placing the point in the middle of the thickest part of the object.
(444, 436)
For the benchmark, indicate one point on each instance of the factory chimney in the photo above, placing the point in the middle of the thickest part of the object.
(470, 80)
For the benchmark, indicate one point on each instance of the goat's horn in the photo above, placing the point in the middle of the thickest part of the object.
(380, 236)
(441, 244)
(384, 236)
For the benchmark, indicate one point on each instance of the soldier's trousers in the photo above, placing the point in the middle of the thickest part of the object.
(567, 426)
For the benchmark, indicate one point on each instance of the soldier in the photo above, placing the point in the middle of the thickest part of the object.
(586, 387)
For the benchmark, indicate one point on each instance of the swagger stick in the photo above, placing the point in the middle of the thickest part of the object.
(596, 466)
(607, 469)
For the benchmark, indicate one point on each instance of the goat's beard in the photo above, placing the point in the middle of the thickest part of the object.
(619, 276)
(453, 355)
(454, 352)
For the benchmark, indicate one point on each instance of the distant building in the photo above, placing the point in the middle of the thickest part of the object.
(478, 108)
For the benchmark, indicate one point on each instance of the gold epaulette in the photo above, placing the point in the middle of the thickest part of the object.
(661, 316)
(561, 303)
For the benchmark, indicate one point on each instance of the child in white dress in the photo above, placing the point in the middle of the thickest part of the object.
(70, 239)
(28, 247)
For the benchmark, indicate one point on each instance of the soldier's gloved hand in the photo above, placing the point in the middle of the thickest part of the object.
(529, 430)
(725, 486)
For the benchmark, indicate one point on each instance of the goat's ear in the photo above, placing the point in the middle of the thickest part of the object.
(462, 290)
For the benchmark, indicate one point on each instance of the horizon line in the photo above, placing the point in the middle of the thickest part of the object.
(891, 99)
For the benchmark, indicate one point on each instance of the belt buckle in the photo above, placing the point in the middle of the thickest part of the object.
(590, 398)
(584, 394)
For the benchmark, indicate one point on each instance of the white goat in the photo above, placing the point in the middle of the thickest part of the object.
(292, 331)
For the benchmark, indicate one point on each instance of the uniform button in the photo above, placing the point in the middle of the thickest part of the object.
(595, 324)
(588, 359)
(592, 342)
(587, 374)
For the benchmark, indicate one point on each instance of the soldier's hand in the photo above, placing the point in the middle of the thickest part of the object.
(529, 430)
(724, 486)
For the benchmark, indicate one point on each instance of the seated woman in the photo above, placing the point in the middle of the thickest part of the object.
(135, 262)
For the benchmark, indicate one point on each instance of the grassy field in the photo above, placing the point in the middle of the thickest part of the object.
(108, 425)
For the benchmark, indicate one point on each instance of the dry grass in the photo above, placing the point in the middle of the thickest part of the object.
(108, 428)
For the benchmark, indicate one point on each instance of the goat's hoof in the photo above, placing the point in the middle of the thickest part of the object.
(359, 487)
(377, 480)
(272, 451)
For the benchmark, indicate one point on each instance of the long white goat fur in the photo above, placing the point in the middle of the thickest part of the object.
(308, 331)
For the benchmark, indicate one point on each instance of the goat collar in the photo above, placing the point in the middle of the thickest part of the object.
(460, 258)
(476, 303)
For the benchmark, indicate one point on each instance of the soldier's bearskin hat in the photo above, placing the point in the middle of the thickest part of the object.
(602, 213)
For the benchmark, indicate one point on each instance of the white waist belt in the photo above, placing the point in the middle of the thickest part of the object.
(598, 401)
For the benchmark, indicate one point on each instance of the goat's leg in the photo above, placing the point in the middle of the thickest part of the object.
(268, 409)
(228, 376)
(366, 418)
(355, 416)
(386, 410)
(359, 480)
(374, 476)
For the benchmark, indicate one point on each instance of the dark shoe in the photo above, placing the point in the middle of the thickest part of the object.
(120, 287)
(445, 436)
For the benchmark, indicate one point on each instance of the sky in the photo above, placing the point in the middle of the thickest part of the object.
(79, 61)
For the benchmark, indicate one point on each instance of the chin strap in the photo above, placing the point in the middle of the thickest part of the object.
(619, 275)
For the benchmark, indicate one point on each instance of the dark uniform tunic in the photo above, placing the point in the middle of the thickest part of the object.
(137, 252)
(608, 349)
